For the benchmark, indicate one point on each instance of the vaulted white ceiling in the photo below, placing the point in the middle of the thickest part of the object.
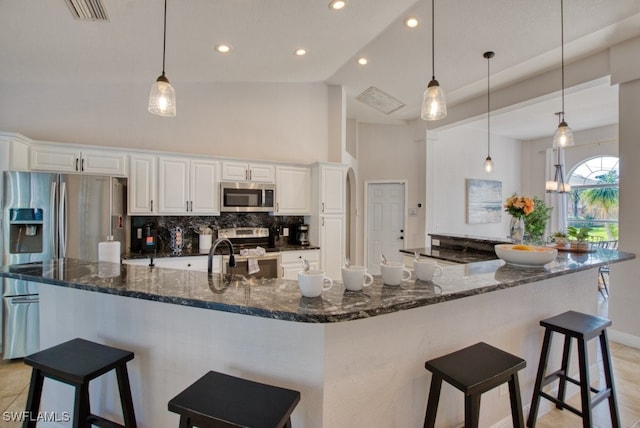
(40, 41)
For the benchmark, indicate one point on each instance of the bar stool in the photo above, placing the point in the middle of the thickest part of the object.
(76, 363)
(220, 400)
(583, 328)
(475, 370)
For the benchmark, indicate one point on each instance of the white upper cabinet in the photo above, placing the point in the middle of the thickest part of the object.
(332, 189)
(14, 152)
(45, 157)
(187, 186)
(142, 184)
(293, 190)
(244, 171)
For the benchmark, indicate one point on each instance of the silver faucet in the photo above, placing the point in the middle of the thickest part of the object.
(232, 260)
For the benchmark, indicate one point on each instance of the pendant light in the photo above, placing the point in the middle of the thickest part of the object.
(563, 136)
(434, 104)
(162, 98)
(558, 185)
(488, 162)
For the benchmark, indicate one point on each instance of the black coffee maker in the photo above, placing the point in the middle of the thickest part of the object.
(144, 239)
(299, 234)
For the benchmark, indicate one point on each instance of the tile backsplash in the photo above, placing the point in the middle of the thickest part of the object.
(191, 225)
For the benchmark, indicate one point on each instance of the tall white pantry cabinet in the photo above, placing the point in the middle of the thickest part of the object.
(328, 222)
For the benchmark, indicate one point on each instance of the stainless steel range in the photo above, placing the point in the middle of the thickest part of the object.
(254, 257)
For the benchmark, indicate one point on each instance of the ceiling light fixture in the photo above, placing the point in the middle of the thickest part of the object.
(162, 98)
(563, 136)
(488, 162)
(411, 22)
(337, 4)
(300, 52)
(223, 48)
(557, 185)
(434, 104)
(362, 61)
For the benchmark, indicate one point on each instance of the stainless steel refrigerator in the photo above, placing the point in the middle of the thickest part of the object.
(47, 216)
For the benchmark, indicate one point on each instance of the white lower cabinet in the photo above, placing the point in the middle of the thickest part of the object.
(291, 262)
(198, 263)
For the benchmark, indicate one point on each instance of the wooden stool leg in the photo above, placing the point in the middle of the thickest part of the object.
(516, 402)
(125, 396)
(81, 407)
(608, 376)
(432, 403)
(472, 411)
(585, 385)
(542, 368)
(33, 399)
(562, 387)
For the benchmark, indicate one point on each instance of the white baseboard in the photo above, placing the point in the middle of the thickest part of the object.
(624, 338)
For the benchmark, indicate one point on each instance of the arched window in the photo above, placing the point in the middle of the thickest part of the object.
(593, 201)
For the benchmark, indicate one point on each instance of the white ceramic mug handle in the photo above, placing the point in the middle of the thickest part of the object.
(437, 271)
(326, 278)
(368, 281)
(406, 274)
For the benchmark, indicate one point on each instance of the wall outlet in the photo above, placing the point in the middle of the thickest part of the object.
(285, 231)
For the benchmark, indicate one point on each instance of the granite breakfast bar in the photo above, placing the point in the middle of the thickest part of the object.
(356, 357)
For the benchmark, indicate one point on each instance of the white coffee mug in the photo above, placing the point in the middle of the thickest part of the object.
(426, 269)
(393, 273)
(311, 283)
(355, 278)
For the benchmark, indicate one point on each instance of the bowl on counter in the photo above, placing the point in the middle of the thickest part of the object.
(526, 255)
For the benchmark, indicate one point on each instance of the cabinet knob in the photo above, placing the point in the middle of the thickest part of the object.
(77, 160)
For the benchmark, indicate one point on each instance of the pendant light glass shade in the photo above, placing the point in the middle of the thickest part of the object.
(488, 164)
(563, 136)
(434, 102)
(162, 97)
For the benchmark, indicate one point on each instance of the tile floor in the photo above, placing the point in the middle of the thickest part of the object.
(15, 378)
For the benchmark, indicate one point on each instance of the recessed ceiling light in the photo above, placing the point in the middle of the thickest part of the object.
(223, 49)
(300, 52)
(362, 61)
(337, 4)
(411, 22)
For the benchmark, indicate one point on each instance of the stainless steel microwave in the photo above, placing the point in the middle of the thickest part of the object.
(247, 197)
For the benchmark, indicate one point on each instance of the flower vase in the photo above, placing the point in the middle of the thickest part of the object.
(516, 229)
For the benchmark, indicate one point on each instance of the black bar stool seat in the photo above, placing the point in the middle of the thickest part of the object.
(220, 400)
(475, 370)
(582, 327)
(76, 363)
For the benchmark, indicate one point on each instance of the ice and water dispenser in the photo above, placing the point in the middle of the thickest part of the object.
(26, 230)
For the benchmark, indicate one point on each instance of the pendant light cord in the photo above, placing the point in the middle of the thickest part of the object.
(488, 109)
(433, 40)
(562, 50)
(164, 36)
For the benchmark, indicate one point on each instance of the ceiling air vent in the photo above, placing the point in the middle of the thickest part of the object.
(379, 100)
(88, 10)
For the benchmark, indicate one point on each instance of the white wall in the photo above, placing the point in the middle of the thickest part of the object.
(457, 154)
(390, 152)
(270, 121)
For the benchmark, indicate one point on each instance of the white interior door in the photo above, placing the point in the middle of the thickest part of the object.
(385, 223)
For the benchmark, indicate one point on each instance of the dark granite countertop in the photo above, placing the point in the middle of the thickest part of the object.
(455, 256)
(476, 238)
(198, 252)
(281, 299)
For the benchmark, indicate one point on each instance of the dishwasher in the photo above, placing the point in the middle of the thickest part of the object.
(21, 318)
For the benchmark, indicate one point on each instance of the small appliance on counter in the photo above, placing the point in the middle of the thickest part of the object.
(299, 234)
(144, 239)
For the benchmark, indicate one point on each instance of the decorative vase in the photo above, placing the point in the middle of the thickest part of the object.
(516, 229)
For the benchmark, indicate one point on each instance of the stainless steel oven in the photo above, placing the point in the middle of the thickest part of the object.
(267, 265)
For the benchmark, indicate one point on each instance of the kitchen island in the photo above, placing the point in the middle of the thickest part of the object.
(357, 358)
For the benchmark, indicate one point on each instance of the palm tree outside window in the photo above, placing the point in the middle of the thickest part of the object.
(593, 201)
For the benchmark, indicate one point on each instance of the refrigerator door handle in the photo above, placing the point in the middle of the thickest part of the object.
(19, 300)
(53, 242)
(62, 218)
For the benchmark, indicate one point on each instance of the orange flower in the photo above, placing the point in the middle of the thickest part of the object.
(519, 206)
